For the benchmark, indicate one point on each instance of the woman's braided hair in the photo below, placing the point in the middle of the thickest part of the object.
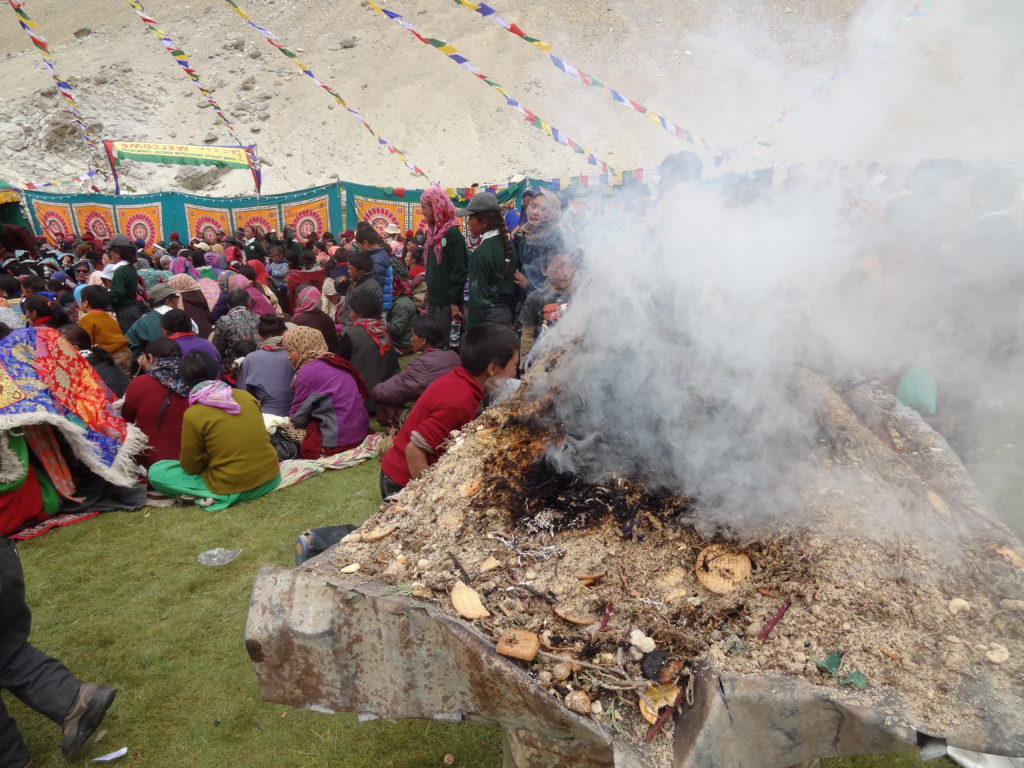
(494, 220)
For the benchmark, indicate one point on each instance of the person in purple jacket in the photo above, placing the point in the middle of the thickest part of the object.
(329, 392)
(177, 326)
(392, 395)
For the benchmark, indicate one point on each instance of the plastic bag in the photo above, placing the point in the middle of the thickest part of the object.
(918, 389)
(219, 556)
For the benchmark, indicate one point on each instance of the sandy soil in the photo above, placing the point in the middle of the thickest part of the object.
(721, 71)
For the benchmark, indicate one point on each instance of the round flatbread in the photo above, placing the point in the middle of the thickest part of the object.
(720, 568)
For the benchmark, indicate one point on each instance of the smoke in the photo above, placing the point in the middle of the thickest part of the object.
(693, 313)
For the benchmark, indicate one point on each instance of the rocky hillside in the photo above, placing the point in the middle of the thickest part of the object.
(933, 84)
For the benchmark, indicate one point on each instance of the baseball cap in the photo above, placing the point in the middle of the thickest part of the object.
(393, 229)
(161, 292)
(481, 203)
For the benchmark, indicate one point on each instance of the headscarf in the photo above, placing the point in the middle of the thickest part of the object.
(308, 342)
(262, 276)
(444, 219)
(77, 264)
(215, 394)
(78, 293)
(167, 370)
(212, 259)
(378, 331)
(184, 283)
(95, 278)
(237, 281)
(310, 345)
(536, 230)
(308, 300)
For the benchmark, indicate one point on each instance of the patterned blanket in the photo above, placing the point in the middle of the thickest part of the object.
(43, 380)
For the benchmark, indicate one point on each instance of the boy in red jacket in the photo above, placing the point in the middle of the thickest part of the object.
(488, 353)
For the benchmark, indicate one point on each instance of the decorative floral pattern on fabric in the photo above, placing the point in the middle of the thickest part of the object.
(60, 387)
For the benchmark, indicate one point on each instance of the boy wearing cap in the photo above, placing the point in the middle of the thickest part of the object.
(162, 298)
(492, 263)
(124, 281)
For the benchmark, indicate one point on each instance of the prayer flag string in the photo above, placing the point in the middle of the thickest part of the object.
(578, 74)
(74, 180)
(31, 29)
(273, 40)
(462, 61)
(180, 57)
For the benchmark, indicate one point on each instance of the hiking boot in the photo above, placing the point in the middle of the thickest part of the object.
(85, 716)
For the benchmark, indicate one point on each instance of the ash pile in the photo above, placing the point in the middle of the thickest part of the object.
(704, 526)
(611, 596)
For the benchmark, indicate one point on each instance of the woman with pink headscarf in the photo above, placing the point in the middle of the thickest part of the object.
(309, 313)
(260, 305)
(444, 254)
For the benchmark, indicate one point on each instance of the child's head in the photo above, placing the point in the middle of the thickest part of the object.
(32, 284)
(489, 351)
(175, 321)
(277, 254)
(35, 307)
(94, 297)
(560, 271)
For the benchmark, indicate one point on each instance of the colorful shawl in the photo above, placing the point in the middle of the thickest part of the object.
(308, 300)
(211, 291)
(378, 331)
(444, 219)
(151, 277)
(215, 394)
(167, 370)
(44, 380)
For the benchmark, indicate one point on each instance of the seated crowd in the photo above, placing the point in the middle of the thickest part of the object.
(233, 353)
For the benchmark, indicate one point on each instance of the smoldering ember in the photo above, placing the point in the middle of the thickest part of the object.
(695, 444)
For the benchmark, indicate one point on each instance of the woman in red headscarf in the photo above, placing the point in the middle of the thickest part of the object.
(444, 254)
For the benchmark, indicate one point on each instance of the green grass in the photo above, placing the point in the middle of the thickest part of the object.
(122, 600)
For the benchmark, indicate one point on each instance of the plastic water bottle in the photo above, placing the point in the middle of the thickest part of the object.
(456, 334)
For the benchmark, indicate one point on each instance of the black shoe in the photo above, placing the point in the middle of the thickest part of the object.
(85, 716)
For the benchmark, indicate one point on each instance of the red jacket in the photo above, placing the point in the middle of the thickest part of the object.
(449, 403)
(143, 401)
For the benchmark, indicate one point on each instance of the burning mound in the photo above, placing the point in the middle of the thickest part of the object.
(617, 598)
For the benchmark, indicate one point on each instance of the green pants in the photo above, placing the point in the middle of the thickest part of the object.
(170, 479)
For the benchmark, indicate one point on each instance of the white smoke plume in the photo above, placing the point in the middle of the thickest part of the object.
(692, 314)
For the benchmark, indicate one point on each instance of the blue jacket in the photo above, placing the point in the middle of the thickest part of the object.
(383, 274)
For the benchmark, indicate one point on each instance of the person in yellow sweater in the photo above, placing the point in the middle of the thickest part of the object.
(226, 455)
(102, 327)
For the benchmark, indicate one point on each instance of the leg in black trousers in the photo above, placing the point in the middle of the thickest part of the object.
(42, 682)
